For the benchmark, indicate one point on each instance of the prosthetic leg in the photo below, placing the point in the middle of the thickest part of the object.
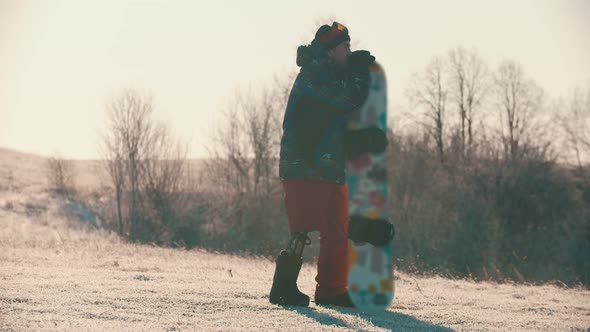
(284, 289)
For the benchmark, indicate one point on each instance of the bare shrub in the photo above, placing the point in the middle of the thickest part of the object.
(147, 167)
(245, 196)
(60, 175)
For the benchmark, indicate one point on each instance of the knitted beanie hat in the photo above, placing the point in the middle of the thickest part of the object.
(332, 36)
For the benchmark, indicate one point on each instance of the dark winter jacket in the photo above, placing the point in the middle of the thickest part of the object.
(315, 119)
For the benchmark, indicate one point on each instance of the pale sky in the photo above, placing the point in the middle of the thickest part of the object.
(62, 61)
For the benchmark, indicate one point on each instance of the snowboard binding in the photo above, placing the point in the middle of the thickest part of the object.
(377, 232)
(357, 142)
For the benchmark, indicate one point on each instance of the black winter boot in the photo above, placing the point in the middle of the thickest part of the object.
(341, 300)
(284, 289)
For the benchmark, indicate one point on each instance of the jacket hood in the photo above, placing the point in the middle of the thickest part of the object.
(313, 54)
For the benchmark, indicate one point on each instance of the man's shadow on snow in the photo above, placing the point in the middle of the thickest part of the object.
(383, 319)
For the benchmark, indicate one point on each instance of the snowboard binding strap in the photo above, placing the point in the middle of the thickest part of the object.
(377, 232)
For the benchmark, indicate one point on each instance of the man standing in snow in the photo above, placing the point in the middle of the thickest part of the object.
(332, 83)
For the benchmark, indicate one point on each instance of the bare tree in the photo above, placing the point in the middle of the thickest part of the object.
(229, 164)
(519, 100)
(576, 125)
(429, 90)
(146, 165)
(114, 155)
(259, 132)
(131, 126)
(245, 157)
(165, 177)
(469, 86)
(61, 174)
(241, 175)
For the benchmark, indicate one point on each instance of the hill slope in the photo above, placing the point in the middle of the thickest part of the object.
(56, 274)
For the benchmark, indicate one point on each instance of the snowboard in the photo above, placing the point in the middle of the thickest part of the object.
(370, 267)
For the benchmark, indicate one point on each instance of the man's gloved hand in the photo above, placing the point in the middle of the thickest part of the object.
(360, 58)
(357, 142)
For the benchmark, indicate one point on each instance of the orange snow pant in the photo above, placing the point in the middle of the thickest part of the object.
(314, 205)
